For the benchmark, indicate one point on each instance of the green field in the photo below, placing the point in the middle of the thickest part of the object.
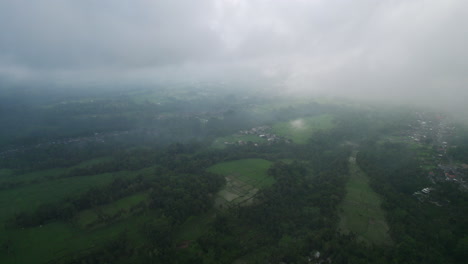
(57, 238)
(118, 209)
(300, 130)
(28, 198)
(244, 178)
(38, 176)
(31, 177)
(360, 211)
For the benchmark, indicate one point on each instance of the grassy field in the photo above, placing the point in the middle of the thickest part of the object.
(250, 171)
(57, 239)
(88, 218)
(244, 178)
(29, 197)
(38, 176)
(360, 210)
(300, 130)
(38, 244)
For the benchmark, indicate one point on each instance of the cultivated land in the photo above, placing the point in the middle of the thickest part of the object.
(58, 239)
(121, 208)
(126, 228)
(244, 178)
(300, 130)
(90, 228)
(360, 211)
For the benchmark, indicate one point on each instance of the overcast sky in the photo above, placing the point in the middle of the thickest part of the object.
(383, 48)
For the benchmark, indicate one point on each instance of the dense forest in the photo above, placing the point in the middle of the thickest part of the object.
(137, 185)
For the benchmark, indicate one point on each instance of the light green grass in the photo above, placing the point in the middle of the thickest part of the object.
(250, 171)
(56, 240)
(360, 211)
(30, 197)
(244, 178)
(90, 216)
(44, 243)
(301, 129)
(39, 176)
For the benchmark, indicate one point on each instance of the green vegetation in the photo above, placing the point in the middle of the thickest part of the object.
(61, 240)
(423, 231)
(145, 177)
(219, 143)
(361, 211)
(118, 209)
(5, 172)
(301, 129)
(195, 227)
(250, 171)
(30, 197)
(244, 179)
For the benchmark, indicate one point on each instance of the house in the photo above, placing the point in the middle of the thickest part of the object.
(426, 190)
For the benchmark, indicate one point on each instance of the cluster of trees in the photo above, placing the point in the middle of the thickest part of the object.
(290, 219)
(180, 195)
(460, 150)
(29, 123)
(176, 196)
(66, 209)
(287, 222)
(422, 232)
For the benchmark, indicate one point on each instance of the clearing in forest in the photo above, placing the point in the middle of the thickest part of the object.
(360, 211)
(301, 129)
(243, 180)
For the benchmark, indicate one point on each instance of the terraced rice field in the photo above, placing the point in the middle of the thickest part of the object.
(244, 178)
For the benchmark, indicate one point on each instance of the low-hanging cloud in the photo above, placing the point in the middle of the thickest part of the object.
(364, 48)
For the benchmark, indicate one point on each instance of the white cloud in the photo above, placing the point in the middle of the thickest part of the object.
(387, 48)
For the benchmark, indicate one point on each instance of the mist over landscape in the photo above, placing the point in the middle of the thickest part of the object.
(233, 131)
(410, 51)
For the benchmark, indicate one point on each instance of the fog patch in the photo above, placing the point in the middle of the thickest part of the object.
(298, 124)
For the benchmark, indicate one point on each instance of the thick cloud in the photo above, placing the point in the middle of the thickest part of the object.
(366, 48)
